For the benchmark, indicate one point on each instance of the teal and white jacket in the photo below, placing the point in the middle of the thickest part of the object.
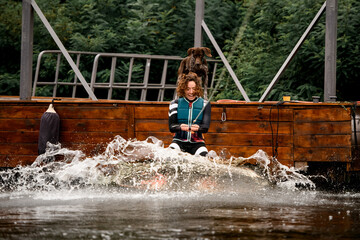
(181, 111)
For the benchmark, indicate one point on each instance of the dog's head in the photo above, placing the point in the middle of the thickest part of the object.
(198, 54)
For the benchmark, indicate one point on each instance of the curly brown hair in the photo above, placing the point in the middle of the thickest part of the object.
(183, 83)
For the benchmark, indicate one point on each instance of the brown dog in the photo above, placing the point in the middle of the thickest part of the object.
(196, 62)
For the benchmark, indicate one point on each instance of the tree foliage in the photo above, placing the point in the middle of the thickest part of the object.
(256, 36)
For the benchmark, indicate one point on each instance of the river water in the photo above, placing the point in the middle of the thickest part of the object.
(121, 194)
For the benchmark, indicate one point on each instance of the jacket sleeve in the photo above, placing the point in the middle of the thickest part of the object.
(205, 124)
(174, 126)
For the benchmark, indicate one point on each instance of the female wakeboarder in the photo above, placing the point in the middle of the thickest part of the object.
(189, 116)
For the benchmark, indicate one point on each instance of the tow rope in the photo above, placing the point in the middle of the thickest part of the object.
(275, 139)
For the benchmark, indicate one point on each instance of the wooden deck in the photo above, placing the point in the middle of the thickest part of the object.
(308, 132)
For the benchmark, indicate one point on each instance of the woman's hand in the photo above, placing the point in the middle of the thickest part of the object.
(184, 127)
(194, 128)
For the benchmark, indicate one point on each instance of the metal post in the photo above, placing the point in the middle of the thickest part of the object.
(112, 77)
(26, 50)
(330, 51)
(146, 80)
(199, 17)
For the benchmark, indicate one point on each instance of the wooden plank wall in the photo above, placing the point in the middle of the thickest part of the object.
(82, 126)
(248, 128)
(305, 132)
(245, 130)
(19, 128)
(322, 133)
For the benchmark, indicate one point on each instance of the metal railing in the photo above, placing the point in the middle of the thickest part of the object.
(161, 85)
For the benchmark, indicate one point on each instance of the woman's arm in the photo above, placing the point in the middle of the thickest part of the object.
(174, 126)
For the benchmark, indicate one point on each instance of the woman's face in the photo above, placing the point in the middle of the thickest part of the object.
(190, 91)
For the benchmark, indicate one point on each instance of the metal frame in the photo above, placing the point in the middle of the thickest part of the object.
(27, 53)
(330, 49)
(26, 80)
(293, 52)
(144, 86)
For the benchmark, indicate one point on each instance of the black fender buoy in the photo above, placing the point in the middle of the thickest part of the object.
(49, 128)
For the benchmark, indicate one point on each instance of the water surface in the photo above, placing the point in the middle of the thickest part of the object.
(173, 196)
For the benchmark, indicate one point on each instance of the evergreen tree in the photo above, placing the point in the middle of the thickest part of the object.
(256, 36)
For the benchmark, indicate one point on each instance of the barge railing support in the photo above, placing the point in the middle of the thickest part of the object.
(330, 51)
(26, 50)
(199, 17)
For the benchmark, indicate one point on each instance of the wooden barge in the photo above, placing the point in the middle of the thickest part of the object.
(306, 132)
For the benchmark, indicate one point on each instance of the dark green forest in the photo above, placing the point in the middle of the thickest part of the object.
(256, 36)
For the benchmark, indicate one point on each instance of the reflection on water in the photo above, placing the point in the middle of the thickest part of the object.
(141, 190)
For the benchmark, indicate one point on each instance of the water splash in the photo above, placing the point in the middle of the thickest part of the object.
(148, 166)
(277, 173)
